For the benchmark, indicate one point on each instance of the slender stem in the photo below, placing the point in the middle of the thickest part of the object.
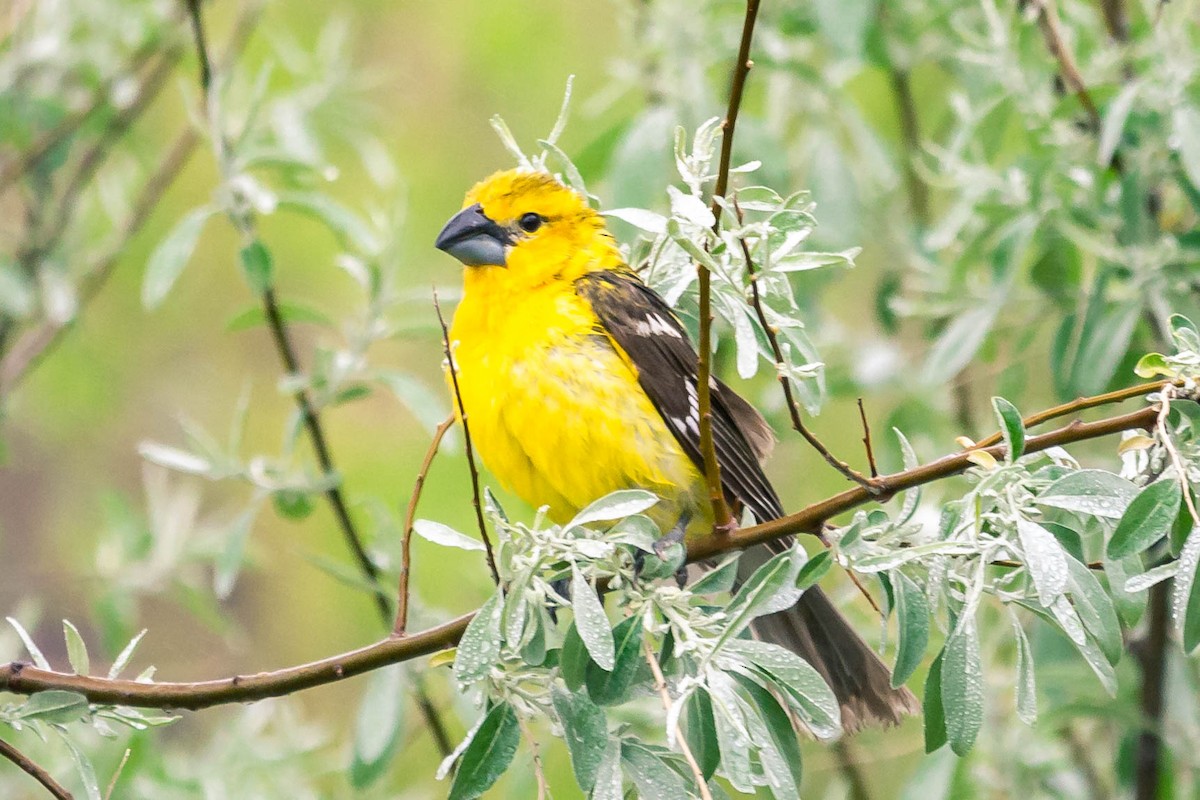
(20, 678)
(1152, 658)
(786, 384)
(862, 413)
(1048, 21)
(712, 469)
(406, 544)
(538, 771)
(1080, 404)
(462, 415)
(26, 765)
(660, 684)
(112, 783)
(851, 769)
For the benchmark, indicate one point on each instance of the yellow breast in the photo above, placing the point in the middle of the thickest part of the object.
(554, 408)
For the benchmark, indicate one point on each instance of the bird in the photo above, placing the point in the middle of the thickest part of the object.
(578, 380)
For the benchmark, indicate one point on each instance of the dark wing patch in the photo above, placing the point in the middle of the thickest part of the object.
(647, 330)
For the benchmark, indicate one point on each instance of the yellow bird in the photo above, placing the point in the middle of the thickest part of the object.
(578, 380)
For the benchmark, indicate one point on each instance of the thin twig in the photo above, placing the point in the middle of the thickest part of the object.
(712, 468)
(462, 415)
(660, 684)
(1152, 658)
(112, 784)
(21, 678)
(1047, 19)
(433, 718)
(26, 765)
(1080, 404)
(790, 399)
(538, 771)
(1081, 754)
(409, 515)
(862, 413)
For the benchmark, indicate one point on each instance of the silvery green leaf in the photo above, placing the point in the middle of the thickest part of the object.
(958, 343)
(39, 660)
(719, 579)
(619, 504)
(585, 731)
(1186, 131)
(912, 617)
(441, 534)
(1011, 426)
(591, 622)
(488, 755)
(1142, 582)
(912, 497)
(1148, 518)
(640, 218)
(803, 687)
(123, 658)
(732, 737)
(426, 406)
(747, 344)
(690, 208)
(1086, 647)
(54, 705)
(479, 647)
(1044, 558)
(378, 726)
(1113, 125)
(1095, 609)
(570, 171)
(168, 260)
(1026, 686)
(638, 531)
(609, 784)
(651, 774)
(962, 686)
(889, 561)
(1184, 611)
(174, 458)
(771, 731)
(83, 764)
(1130, 604)
(354, 232)
(77, 653)
(1090, 491)
(516, 605)
(1068, 619)
(771, 588)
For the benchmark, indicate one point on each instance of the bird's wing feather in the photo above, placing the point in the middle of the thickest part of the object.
(645, 328)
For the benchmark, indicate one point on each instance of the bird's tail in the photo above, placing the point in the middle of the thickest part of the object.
(814, 630)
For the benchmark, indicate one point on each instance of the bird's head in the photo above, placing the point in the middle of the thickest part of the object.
(531, 226)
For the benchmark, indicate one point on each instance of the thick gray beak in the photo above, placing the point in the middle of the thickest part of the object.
(474, 239)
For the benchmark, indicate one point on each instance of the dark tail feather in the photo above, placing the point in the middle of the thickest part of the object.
(814, 630)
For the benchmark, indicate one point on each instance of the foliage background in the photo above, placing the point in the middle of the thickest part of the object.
(824, 112)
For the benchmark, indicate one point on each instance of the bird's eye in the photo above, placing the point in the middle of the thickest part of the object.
(530, 222)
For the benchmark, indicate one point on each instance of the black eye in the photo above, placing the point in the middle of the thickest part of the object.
(530, 222)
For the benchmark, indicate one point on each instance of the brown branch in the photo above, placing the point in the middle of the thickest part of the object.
(26, 765)
(406, 543)
(462, 415)
(1048, 21)
(786, 384)
(862, 413)
(1080, 404)
(21, 678)
(712, 469)
(1152, 659)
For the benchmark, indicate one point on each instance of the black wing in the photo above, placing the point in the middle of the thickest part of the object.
(647, 330)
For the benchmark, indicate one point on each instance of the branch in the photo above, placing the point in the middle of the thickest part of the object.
(712, 469)
(793, 406)
(462, 415)
(30, 768)
(862, 413)
(1152, 658)
(660, 685)
(1048, 21)
(409, 515)
(21, 678)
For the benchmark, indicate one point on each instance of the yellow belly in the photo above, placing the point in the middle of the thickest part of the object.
(555, 410)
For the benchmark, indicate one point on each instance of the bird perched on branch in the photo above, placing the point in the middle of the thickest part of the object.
(579, 380)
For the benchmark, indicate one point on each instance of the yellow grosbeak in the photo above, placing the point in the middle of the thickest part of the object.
(578, 380)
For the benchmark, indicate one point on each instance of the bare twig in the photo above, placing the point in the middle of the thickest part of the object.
(660, 685)
(712, 469)
(793, 406)
(20, 678)
(1152, 658)
(462, 415)
(1051, 27)
(862, 413)
(112, 784)
(406, 544)
(26, 765)
(538, 771)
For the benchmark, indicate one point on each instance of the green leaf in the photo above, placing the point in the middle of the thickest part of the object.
(1149, 517)
(772, 730)
(444, 535)
(619, 504)
(1011, 426)
(257, 266)
(771, 588)
(424, 404)
(1186, 130)
(378, 726)
(962, 686)
(958, 343)
(39, 660)
(652, 776)
(591, 622)
(1094, 492)
(1185, 594)
(479, 647)
(289, 311)
(610, 687)
(168, 260)
(83, 765)
(1113, 125)
(700, 732)
(54, 706)
(1152, 365)
(719, 579)
(802, 686)
(233, 555)
(1095, 609)
(292, 503)
(351, 229)
(609, 784)
(77, 652)
(1044, 558)
(932, 707)
(1183, 524)
(585, 731)
(912, 617)
(573, 660)
(126, 654)
(488, 755)
(814, 569)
